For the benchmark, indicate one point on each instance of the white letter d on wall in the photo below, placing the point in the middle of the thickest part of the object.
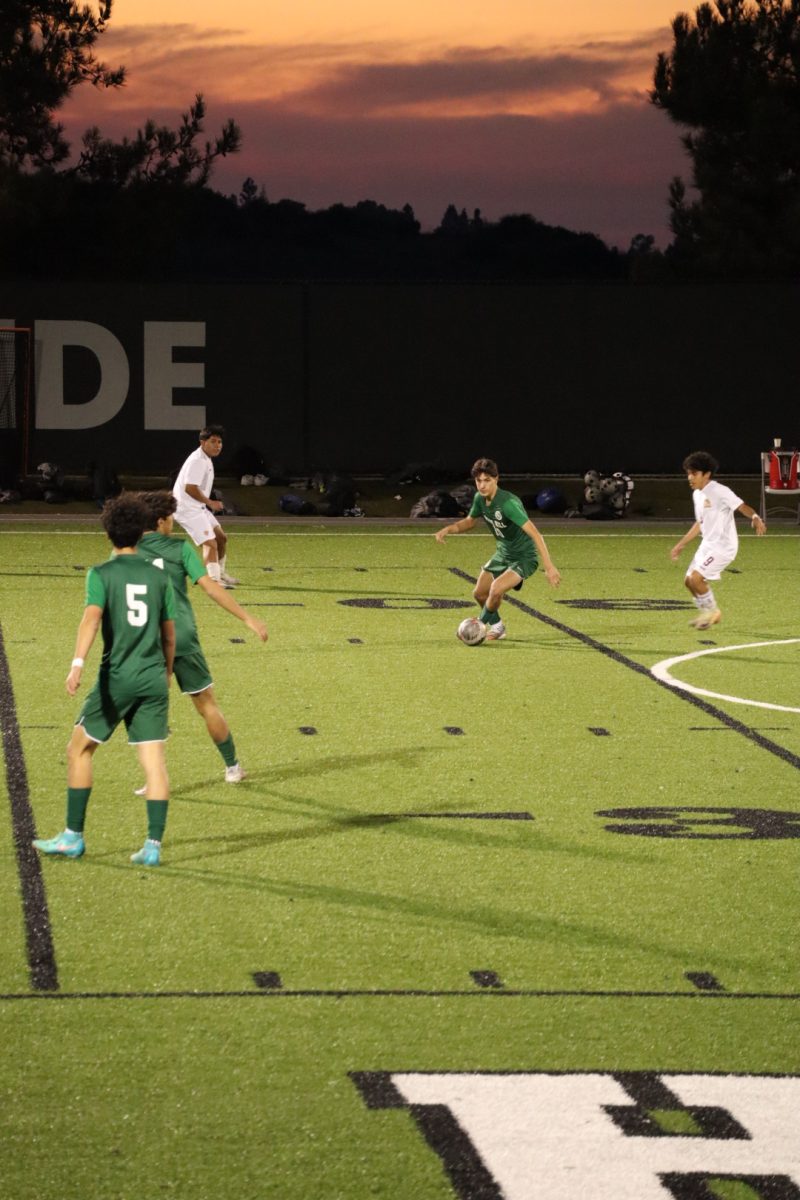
(51, 410)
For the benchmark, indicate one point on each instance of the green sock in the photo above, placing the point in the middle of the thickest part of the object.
(77, 800)
(227, 750)
(156, 819)
(488, 617)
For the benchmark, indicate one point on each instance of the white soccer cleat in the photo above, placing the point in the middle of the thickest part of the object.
(496, 632)
(707, 619)
(235, 774)
(228, 581)
(142, 791)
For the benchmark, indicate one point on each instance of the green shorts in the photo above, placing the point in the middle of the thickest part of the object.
(524, 562)
(191, 671)
(145, 717)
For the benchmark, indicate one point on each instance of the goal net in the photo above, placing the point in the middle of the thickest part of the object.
(15, 395)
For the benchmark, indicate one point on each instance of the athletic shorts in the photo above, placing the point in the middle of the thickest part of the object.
(191, 672)
(199, 525)
(507, 560)
(145, 717)
(710, 563)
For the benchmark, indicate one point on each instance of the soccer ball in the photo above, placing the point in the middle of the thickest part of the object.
(471, 631)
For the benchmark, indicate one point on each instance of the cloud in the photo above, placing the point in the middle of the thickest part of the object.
(567, 136)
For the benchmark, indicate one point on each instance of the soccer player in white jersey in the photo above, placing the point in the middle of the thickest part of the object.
(196, 509)
(714, 509)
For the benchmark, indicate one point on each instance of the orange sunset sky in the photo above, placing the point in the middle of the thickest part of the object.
(517, 106)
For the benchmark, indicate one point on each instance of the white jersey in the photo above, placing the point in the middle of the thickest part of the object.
(714, 509)
(199, 470)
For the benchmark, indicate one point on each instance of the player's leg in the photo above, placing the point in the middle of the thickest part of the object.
(500, 585)
(480, 592)
(704, 567)
(147, 731)
(219, 731)
(201, 526)
(97, 721)
(226, 580)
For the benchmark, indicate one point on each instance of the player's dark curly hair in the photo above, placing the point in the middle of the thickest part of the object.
(209, 431)
(124, 519)
(159, 506)
(484, 466)
(701, 460)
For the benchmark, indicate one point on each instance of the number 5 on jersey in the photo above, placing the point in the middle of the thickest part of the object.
(137, 609)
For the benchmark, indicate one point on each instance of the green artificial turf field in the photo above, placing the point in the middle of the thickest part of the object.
(513, 921)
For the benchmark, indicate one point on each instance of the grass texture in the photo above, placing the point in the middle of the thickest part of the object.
(352, 906)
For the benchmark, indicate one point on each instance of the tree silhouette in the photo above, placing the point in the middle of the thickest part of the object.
(46, 50)
(157, 153)
(732, 78)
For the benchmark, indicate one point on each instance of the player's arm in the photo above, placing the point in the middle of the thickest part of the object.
(168, 610)
(687, 537)
(87, 632)
(168, 644)
(457, 527)
(194, 491)
(754, 518)
(551, 571)
(225, 600)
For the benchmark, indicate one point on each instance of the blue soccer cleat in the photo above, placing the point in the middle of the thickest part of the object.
(65, 845)
(149, 855)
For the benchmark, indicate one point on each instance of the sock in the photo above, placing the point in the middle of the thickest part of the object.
(706, 603)
(213, 571)
(222, 566)
(227, 750)
(488, 617)
(156, 819)
(77, 800)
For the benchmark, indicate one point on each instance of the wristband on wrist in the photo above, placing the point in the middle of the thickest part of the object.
(77, 662)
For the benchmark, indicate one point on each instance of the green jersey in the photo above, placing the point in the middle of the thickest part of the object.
(135, 599)
(177, 558)
(505, 515)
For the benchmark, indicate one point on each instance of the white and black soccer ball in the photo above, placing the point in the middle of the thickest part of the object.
(608, 485)
(471, 631)
(591, 494)
(618, 502)
(260, 480)
(591, 478)
(624, 482)
(247, 481)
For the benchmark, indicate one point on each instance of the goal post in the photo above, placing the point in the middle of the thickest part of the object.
(16, 378)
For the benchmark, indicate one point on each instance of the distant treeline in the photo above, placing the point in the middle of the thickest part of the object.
(58, 225)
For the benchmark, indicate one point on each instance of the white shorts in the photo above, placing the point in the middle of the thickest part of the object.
(710, 563)
(199, 525)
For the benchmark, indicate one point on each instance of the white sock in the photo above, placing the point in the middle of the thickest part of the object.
(213, 571)
(707, 602)
(222, 566)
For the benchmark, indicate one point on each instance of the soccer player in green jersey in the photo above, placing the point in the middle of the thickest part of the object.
(178, 559)
(134, 605)
(520, 546)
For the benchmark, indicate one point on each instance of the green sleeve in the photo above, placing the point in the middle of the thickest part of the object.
(475, 509)
(514, 509)
(95, 589)
(191, 563)
(168, 607)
